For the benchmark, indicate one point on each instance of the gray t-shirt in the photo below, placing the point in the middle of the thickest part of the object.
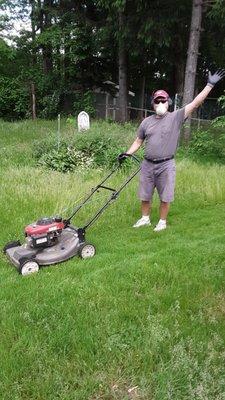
(161, 134)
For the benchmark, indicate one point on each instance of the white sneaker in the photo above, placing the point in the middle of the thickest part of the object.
(160, 226)
(142, 221)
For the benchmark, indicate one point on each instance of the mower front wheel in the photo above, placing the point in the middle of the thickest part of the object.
(28, 266)
(87, 250)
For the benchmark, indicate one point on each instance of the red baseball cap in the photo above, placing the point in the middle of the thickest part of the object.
(161, 93)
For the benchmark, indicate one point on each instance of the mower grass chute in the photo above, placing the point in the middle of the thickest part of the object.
(53, 240)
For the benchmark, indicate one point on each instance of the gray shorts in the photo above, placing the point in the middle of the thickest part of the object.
(160, 176)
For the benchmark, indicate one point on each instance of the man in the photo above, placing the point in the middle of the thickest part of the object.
(161, 133)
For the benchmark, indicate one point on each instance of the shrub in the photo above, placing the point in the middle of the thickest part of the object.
(219, 122)
(14, 99)
(102, 147)
(96, 149)
(50, 105)
(221, 101)
(208, 143)
(65, 159)
(84, 102)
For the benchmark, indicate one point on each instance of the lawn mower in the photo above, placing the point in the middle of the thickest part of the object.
(53, 240)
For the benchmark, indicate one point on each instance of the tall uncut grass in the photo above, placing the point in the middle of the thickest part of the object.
(144, 318)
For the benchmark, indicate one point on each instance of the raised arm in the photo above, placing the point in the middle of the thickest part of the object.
(198, 100)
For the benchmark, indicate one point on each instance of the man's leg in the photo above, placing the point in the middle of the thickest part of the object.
(165, 184)
(146, 189)
(145, 208)
(145, 212)
(163, 210)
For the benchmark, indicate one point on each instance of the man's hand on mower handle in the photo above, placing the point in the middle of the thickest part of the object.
(214, 78)
(121, 157)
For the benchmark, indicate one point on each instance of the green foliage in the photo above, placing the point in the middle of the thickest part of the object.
(84, 102)
(102, 147)
(50, 105)
(65, 159)
(85, 150)
(101, 144)
(14, 99)
(219, 122)
(221, 101)
(208, 143)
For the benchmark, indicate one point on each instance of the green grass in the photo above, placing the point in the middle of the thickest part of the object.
(143, 319)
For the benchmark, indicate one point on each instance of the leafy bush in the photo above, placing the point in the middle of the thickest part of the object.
(222, 101)
(102, 147)
(65, 159)
(50, 105)
(14, 99)
(84, 102)
(42, 147)
(92, 150)
(219, 122)
(208, 143)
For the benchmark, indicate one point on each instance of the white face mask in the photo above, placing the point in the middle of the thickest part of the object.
(161, 108)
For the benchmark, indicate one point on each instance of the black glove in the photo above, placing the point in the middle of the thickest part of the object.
(121, 157)
(213, 79)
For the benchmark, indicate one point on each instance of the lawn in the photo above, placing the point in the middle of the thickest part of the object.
(143, 319)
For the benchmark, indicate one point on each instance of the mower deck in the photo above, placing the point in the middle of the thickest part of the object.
(67, 247)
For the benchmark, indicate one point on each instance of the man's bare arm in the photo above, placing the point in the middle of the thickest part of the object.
(189, 108)
(212, 80)
(135, 146)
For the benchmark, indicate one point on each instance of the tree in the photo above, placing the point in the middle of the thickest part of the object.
(192, 59)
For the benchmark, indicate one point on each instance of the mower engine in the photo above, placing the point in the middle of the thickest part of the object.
(44, 233)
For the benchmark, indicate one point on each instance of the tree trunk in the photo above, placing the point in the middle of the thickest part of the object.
(192, 58)
(122, 71)
(33, 30)
(47, 47)
(142, 96)
(34, 55)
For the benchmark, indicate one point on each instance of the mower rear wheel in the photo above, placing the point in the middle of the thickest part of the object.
(10, 245)
(28, 267)
(87, 250)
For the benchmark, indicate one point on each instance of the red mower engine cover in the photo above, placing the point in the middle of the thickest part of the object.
(44, 231)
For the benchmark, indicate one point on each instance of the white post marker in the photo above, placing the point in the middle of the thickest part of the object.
(83, 121)
(58, 131)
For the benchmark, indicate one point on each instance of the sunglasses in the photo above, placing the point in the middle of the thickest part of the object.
(157, 101)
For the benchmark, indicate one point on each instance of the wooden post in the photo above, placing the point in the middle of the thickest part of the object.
(107, 105)
(114, 108)
(33, 98)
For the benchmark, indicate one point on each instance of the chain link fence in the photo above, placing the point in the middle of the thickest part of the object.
(107, 107)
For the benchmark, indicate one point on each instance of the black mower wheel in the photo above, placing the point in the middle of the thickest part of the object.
(87, 250)
(10, 245)
(28, 266)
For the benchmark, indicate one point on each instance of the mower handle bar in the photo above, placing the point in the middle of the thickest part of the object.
(131, 156)
(100, 185)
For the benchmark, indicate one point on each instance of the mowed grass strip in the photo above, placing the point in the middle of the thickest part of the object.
(143, 319)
